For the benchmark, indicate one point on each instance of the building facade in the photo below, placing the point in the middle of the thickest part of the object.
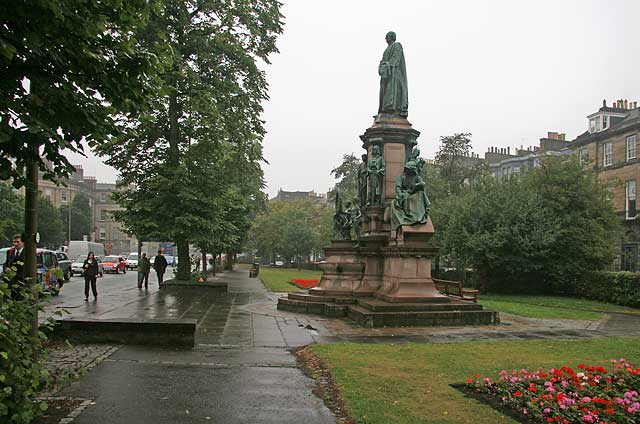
(292, 196)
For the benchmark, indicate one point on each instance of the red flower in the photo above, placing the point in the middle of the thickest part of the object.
(518, 393)
(469, 380)
(609, 411)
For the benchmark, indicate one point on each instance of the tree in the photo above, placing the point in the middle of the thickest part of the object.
(539, 232)
(454, 162)
(81, 217)
(347, 173)
(67, 69)
(11, 214)
(52, 232)
(209, 106)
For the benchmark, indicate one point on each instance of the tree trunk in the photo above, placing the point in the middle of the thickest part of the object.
(30, 230)
(184, 266)
(204, 261)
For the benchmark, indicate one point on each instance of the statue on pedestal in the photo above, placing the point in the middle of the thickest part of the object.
(363, 176)
(376, 169)
(344, 219)
(414, 156)
(394, 97)
(411, 205)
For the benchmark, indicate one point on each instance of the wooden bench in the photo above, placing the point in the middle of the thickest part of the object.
(455, 289)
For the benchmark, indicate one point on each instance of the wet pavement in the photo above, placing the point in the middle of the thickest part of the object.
(241, 370)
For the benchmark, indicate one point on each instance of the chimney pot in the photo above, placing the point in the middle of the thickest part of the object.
(604, 102)
(508, 150)
(625, 104)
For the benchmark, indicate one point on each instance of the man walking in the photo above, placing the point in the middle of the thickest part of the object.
(144, 264)
(160, 264)
(15, 258)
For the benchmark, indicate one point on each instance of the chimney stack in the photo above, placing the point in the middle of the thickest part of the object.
(625, 104)
(604, 102)
(508, 150)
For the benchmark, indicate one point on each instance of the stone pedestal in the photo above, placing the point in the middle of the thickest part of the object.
(342, 270)
(384, 279)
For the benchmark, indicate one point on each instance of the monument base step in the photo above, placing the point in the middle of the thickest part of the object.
(377, 305)
(327, 309)
(422, 318)
(343, 300)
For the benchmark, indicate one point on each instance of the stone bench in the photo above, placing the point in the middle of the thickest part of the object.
(455, 289)
(131, 331)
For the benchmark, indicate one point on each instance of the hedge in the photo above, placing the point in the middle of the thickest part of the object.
(622, 288)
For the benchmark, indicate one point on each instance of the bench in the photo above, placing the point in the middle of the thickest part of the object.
(255, 269)
(455, 289)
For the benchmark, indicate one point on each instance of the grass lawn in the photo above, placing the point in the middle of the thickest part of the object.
(277, 279)
(410, 383)
(550, 306)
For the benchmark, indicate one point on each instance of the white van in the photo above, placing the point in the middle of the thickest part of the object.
(82, 248)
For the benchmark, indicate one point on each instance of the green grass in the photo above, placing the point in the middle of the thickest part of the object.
(557, 307)
(410, 383)
(277, 279)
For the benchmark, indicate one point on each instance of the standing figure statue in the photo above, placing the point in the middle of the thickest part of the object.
(414, 156)
(376, 168)
(411, 205)
(363, 176)
(394, 97)
(344, 218)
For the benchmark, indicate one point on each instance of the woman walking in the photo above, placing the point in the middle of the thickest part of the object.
(90, 267)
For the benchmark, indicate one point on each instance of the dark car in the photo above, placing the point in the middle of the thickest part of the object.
(64, 263)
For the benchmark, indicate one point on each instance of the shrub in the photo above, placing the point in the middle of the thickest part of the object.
(622, 288)
(21, 375)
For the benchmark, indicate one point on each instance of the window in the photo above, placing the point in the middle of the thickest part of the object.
(630, 206)
(104, 215)
(631, 147)
(607, 159)
(48, 193)
(536, 162)
(64, 197)
(103, 233)
(605, 122)
(103, 197)
(583, 156)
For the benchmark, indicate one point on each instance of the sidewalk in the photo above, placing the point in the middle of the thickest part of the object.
(241, 370)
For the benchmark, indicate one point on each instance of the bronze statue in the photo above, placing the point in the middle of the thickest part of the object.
(344, 218)
(376, 168)
(411, 205)
(414, 156)
(363, 176)
(394, 97)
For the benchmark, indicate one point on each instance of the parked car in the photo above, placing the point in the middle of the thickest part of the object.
(49, 274)
(132, 260)
(279, 263)
(115, 264)
(76, 266)
(65, 264)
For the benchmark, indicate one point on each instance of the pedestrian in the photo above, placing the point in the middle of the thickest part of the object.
(90, 268)
(160, 264)
(15, 259)
(144, 265)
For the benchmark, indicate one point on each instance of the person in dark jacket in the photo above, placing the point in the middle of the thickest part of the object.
(144, 265)
(160, 265)
(90, 268)
(15, 258)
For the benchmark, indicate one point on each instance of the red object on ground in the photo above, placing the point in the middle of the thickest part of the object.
(304, 284)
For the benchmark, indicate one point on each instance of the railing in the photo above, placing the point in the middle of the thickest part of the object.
(455, 289)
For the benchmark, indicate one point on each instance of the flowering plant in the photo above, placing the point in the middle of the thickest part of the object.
(304, 284)
(592, 394)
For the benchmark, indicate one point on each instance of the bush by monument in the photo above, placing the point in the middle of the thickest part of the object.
(622, 288)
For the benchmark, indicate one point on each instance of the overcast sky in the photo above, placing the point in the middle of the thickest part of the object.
(506, 71)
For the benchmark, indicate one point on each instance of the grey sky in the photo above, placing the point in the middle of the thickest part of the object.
(507, 71)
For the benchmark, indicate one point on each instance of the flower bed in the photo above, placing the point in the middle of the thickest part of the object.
(592, 394)
(304, 284)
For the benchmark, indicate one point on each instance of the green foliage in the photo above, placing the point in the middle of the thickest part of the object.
(84, 66)
(454, 164)
(347, 173)
(11, 214)
(536, 233)
(292, 230)
(190, 165)
(21, 376)
(81, 217)
(621, 288)
(52, 232)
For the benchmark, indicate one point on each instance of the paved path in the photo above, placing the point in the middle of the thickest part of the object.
(242, 370)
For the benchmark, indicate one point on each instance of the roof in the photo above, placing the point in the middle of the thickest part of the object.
(631, 120)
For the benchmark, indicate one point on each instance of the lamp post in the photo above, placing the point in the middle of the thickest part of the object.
(69, 216)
